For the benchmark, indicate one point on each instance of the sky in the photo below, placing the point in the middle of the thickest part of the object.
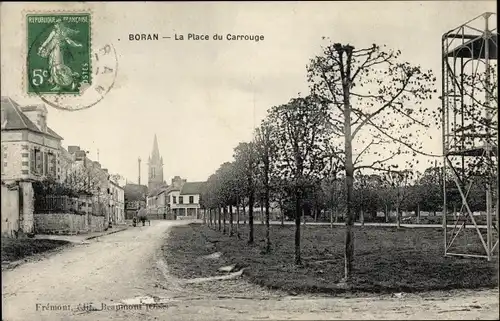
(201, 98)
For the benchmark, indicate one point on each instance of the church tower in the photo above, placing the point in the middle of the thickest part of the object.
(155, 166)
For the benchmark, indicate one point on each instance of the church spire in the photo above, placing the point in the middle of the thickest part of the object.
(156, 153)
(155, 164)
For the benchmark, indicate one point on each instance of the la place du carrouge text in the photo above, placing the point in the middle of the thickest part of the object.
(197, 37)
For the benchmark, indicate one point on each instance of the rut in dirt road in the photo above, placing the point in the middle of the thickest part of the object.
(107, 269)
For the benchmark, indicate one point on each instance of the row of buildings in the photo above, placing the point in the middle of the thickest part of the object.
(32, 151)
(180, 199)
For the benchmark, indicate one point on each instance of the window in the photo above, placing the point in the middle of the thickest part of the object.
(181, 200)
(36, 161)
(174, 198)
(45, 163)
(51, 164)
(191, 199)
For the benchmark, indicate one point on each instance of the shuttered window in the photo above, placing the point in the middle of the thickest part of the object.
(33, 161)
(45, 163)
(53, 165)
(38, 162)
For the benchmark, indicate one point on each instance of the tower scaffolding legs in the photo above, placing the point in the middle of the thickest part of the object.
(467, 139)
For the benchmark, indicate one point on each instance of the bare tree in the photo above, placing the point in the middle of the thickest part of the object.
(399, 183)
(375, 100)
(244, 155)
(266, 150)
(302, 141)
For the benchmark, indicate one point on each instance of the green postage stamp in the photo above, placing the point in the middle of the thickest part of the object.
(58, 53)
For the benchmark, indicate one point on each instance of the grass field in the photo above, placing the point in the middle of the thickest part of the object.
(16, 249)
(386, 259)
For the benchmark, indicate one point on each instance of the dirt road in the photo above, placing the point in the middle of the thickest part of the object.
(108, 278)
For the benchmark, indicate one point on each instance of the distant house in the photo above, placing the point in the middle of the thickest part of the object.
(157, 203)
(178, 200)
(183, 198)
(30, 149)
(135, 195)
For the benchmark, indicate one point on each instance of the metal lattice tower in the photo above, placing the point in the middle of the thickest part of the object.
(470, 129)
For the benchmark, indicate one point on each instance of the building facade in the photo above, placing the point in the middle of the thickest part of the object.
(30, 149)
(117, 203)
(183, 198)
(157, 204)
(135, 195)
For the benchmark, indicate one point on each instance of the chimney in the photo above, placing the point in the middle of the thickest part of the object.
(38, 116)
(177, 181)
(139, 180)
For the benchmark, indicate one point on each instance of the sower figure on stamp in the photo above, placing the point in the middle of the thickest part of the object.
(60, 74)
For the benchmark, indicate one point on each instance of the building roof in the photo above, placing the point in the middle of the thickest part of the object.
(135, 192)
(192, 188)
(17, 120)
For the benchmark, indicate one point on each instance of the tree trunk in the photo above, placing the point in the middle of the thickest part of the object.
(398, 217)
(244, 212)
(298, 211)
(386, 212)
(349, 172)
(224, 214)
(282, 215)
(219, 218)
(250, 217)
(231, 232)
(261, 212)
(331, 218)
(238, 219)
(315, 214)
(418, 213)
(268, 238)
(362, 217)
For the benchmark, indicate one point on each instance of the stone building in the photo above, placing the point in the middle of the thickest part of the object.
(117, 202)
(30, 149)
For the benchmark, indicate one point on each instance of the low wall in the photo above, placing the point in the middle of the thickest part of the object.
(60, 223)
(97, 223)
(67, 223)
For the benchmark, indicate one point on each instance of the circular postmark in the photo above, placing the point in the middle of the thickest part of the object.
(66, 71)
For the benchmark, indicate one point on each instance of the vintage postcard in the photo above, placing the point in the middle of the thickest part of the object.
(249, 161)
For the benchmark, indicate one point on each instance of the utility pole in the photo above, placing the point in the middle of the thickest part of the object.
(139, 179)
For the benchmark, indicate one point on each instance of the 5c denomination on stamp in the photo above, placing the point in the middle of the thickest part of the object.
(59, 52)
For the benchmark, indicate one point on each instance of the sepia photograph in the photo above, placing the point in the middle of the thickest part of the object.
(273, 160)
